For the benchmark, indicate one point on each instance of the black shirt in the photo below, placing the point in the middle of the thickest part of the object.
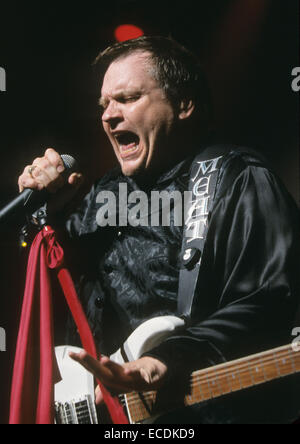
(249, 279)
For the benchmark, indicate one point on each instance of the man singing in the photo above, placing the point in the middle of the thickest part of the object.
(157, 114)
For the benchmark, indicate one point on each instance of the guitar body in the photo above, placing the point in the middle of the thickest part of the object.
(75, 393)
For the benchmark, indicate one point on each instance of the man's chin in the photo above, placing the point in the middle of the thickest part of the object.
(133, 169)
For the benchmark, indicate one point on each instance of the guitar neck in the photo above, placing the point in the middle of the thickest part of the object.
(224, 379)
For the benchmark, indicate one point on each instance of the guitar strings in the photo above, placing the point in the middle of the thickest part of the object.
(133, 399)
(138, 412)
(205, 378)
(208, 377)
(245, 366)
(262, 361)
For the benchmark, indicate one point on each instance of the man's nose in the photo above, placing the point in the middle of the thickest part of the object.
(112, 114)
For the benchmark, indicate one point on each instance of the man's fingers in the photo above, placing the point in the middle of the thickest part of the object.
(75, 179)
(144, 374)
(110, 374)
(46, 172)
(46, 167)
(26, 181)
(84, 359)
(91, 364)
(130, 377)
(55, 159)
(117, 369)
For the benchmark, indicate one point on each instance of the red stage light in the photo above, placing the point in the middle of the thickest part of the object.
(127, 32)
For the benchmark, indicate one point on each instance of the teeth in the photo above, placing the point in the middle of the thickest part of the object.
(128, 150)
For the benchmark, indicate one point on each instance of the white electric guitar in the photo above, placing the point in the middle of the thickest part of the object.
(74, 394)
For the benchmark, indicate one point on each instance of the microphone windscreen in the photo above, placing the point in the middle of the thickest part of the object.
(69, 161)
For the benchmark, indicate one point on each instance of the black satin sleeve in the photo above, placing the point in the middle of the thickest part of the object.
(249, 277)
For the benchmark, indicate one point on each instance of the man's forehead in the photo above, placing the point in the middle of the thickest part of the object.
(130, 71)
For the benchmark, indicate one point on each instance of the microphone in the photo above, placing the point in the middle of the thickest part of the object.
(29, 200)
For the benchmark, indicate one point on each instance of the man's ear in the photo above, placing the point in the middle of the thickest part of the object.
(186, 109)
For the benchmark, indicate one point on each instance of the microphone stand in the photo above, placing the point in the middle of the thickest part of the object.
(38, 220)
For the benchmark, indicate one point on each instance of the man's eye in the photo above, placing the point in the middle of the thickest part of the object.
(125, 99)
(130, 99)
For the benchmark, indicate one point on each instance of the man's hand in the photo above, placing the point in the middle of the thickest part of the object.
(146, 373)
(46, 172)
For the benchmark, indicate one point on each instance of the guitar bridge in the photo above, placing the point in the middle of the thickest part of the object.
(80, 411)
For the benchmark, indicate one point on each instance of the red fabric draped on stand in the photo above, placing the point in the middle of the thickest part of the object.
(35, 368)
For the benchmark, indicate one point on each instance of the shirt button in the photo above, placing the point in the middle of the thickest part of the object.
(119, 233)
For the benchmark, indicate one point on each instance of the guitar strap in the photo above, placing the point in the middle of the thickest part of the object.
(202, 189)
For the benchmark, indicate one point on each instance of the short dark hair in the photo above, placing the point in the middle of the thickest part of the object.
(178, 70)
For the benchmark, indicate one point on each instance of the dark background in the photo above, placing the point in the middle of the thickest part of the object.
(248, 47)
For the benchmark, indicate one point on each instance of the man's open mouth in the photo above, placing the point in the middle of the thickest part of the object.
(128, 143)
